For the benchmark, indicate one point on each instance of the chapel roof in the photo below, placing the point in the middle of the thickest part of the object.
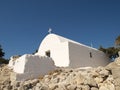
(63, 39)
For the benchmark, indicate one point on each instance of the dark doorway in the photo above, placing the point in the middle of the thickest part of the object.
(47, 53)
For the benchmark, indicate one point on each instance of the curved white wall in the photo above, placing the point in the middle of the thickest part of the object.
(58, 49)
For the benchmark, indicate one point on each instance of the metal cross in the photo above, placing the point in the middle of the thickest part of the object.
(50, 30)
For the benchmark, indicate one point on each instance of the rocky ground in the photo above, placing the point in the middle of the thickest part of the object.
(100, 78)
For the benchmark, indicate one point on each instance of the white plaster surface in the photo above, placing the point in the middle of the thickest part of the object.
(58, 51)
(80, 56)
(12, 61)
(68, 53)
(32, 66)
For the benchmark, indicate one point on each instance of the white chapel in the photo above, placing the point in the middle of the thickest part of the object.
(56, 51)
(69, 53)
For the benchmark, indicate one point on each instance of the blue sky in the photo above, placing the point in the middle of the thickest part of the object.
(24, 23)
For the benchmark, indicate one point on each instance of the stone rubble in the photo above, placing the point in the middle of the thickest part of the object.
(100, 78)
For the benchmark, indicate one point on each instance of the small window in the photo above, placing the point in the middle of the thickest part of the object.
(90, 54)
(47, 53)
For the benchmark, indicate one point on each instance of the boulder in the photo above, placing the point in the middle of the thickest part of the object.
(114, 68)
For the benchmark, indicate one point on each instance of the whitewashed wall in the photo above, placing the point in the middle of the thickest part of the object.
(12, 61)
(80, 56)
(32, 66)
(58, 50)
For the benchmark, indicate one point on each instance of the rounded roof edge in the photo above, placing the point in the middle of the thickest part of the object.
(63, 39)
(60, 38)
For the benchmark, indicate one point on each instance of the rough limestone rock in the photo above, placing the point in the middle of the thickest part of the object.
(117, 61)
(114, 68)
(100, 78)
